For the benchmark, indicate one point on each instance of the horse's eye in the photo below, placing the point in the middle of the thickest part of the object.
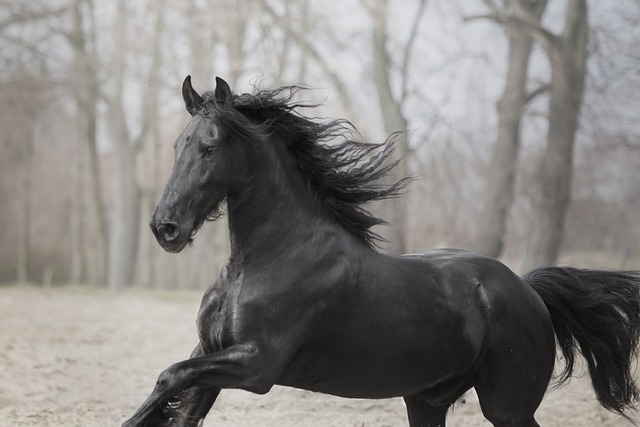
(209, 151)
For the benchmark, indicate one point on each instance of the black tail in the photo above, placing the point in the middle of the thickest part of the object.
(598, 313)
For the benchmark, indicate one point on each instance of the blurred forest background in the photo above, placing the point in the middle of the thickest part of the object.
(524, 119)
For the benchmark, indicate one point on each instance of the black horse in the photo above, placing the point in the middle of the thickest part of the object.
(306, 301)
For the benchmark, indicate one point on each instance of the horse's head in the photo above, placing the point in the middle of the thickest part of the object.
(208, 164)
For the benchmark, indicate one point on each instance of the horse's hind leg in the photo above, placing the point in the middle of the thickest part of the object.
(429, 408)
(514, 373)
(422, 414)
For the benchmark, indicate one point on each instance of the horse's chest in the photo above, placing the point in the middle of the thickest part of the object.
(217, 316)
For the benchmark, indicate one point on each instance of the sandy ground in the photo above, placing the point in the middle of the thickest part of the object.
(76, 357)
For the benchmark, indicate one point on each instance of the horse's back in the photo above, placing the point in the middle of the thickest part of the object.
(496, 284)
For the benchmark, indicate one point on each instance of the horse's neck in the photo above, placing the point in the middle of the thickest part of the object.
(276, 209)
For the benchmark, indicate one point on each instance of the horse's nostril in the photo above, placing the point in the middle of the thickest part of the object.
(168, 231)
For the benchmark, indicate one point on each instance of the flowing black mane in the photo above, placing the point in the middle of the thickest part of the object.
(343, 172)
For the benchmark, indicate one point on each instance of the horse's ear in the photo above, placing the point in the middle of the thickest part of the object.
(223, 95)
(192, 100)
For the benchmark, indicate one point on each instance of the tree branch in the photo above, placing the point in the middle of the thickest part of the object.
(25, 16)
(541, 89)
(409, 47)
(313, 52)
(527, 18)
(488, 17)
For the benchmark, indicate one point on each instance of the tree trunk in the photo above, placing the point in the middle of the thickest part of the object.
(86, 92)
(97, 267)
(123, 242)
(567, 56)
(125, 217)
(78, 259)
(498, 196)
(24, 227)
(148, 140)
(236, 30)
(201, 42)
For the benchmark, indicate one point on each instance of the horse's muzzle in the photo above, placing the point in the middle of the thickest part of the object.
(169, 236)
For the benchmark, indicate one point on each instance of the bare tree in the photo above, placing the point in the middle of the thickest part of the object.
(24, 226)
(567, 53)
(86, 92)
(26, 91)
(501, 171)
(302, 37)
(147, 142)
(24, 95)
(124, 230)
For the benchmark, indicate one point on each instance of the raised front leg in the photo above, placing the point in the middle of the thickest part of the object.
(190, 407)
(241, 366)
